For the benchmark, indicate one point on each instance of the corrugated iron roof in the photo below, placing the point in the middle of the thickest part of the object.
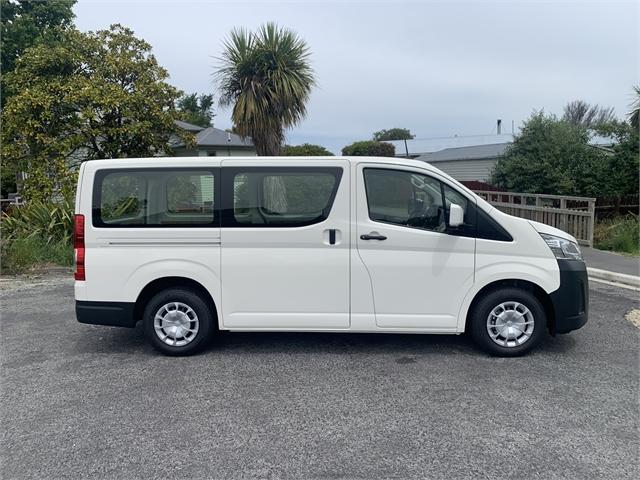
(474, 152)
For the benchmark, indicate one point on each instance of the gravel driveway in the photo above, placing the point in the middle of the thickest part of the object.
(88, 401)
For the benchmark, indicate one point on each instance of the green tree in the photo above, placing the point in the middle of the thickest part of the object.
(393, 134)
(196, 109)
(27, 22)
(580, 113)
(93, 95)
(305, 150)
(370, 148)
(552, 156)
(267, 77)
(623, 163)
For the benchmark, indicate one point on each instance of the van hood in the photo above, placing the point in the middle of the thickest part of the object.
(549, 230)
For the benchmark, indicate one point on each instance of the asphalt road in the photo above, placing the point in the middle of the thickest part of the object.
(88, 401)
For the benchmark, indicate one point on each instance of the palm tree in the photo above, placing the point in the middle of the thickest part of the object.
(267, 78)
(635, 108)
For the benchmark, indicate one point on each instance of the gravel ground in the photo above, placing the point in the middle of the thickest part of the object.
(88, 401)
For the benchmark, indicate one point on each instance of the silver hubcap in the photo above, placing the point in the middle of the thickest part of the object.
(176, 324)
(510, 324)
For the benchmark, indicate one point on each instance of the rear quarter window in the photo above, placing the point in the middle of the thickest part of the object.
(155, 198)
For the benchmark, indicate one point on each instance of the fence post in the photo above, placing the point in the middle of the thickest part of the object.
(539, 213)
(563, 222)
(592, 219)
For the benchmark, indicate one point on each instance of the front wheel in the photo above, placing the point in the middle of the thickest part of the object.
(508, 322)
(177, 321)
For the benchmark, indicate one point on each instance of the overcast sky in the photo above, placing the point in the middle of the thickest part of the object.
(437, 68)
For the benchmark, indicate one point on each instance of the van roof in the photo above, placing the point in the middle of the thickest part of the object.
(189, 161)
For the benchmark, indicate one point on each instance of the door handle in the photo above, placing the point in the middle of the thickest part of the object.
(372, 236)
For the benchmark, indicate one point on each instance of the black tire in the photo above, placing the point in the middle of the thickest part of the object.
(190, 298)
(486, 305)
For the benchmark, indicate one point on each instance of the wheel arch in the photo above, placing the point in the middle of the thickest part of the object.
(526, 285)
(163, 283)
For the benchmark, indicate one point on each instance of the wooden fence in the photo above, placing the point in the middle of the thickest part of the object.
(574, 215)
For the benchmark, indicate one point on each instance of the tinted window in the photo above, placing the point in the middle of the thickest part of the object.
(190, 193)
(404, 198)
(280, 196)
(122, 197)
(154, 198)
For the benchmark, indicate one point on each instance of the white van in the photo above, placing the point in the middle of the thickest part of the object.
(193, 246)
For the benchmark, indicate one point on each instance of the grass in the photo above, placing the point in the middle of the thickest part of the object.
(22, 254)
(619, 234)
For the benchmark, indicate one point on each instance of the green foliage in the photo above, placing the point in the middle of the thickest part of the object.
(369, 148)
(23, 253)
(91, 95)
(621, 167)
(7, 180)
(24, 23)
(306, 150)
(196, 109)
(619, 234)
(37, 233)
(50, 222)
(552, 156)
(267, 77)
(393, 134)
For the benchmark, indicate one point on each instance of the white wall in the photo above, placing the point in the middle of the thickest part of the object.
(465, 170)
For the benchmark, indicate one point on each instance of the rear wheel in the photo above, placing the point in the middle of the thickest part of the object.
(508, 322)
(178, 321)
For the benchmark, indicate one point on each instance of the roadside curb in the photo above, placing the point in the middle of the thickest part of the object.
(622, 278)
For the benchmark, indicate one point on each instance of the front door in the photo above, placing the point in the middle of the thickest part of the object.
(420, 270)
(285, 244)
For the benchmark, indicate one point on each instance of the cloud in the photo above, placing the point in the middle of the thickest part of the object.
(438, 68)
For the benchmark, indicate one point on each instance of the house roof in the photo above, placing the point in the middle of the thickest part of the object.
(474, 152)
(213, 137)
(190, 127)
(419, 146)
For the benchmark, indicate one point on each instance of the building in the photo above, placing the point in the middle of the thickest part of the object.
(466, 164)
(211, 142)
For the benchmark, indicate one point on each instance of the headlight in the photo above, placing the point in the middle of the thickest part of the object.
(562, 248)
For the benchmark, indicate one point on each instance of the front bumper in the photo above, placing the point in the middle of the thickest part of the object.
(571, 300)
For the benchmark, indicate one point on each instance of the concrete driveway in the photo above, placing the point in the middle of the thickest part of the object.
(88, 401)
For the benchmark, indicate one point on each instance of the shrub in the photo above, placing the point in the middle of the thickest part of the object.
(52, 222)
(21, 254)
(36, 233)
(370, 148)
(306, 150)
(620, 234)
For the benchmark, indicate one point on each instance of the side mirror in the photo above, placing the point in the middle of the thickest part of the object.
(456, 215)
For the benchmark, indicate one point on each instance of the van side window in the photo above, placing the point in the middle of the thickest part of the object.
(280, 196)
(404, 198)
(189, 193)
(122, 197)
(155, 197)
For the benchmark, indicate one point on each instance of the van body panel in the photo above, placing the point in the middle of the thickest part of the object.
(419, 277)
(287, 277)
(120, 262)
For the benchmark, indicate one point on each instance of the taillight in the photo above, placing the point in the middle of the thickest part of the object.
(78, 245)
